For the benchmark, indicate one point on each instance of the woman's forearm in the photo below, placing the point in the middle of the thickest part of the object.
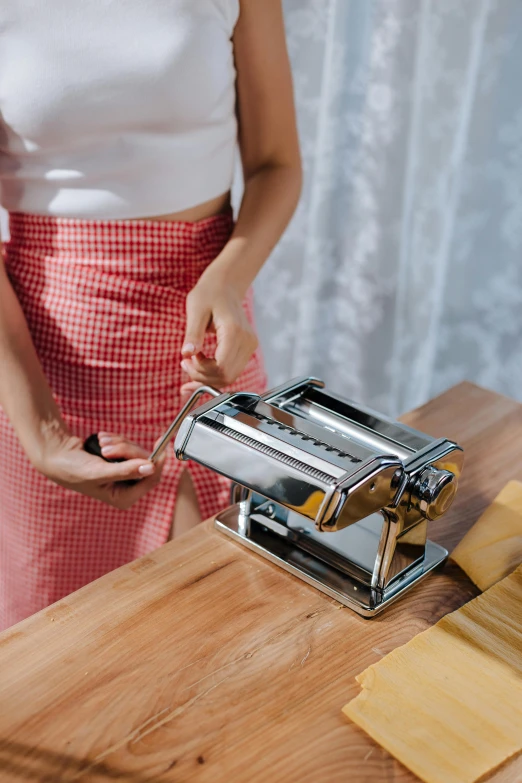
(270, 198)
(25, 395)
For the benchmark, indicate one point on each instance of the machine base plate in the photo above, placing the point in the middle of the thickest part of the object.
(283, 551)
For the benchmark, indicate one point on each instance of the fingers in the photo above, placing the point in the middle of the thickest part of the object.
(124, 497)
(232, 347)
(198, 320)
(236, 342)
(219, 307)
(200, 372)
(118, 447)
(235, 346)
(116, 492)
(72, 467)
(107, 472)
(136, 464)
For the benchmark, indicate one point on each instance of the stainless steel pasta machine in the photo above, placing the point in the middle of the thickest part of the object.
(331, 491)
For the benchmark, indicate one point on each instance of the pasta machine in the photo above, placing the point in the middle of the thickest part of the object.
(331, 491)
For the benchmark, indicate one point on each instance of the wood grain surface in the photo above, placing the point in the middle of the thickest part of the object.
(203, 662)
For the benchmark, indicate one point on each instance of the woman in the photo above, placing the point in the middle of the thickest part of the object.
(126, 283)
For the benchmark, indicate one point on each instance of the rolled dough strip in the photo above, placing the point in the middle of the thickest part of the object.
(448, 704)
(492, 549)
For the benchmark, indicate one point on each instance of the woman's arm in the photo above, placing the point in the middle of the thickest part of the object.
(25, 395)
(272, 174)
(27, 400)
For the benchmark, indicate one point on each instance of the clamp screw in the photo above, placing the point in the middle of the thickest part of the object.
(434, 492)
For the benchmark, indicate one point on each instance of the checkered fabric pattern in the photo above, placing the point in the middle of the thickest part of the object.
(105, 304)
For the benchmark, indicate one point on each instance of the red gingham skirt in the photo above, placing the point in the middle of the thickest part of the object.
(105, 304)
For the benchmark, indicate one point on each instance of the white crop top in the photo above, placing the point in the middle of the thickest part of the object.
(116, 108)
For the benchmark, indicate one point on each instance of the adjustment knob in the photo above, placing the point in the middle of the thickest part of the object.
(434, 492)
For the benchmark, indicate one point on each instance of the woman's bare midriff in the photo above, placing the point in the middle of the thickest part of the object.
(210, 208)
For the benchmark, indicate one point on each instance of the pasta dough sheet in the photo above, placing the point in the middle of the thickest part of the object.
(492, 549)
(448, 704)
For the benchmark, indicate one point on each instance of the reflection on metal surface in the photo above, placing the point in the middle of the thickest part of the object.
(343, 493)
(286, 552)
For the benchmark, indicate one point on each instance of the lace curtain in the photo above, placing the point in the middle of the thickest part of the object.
(401, 273)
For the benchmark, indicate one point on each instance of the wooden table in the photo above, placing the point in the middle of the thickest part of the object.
(203, 662)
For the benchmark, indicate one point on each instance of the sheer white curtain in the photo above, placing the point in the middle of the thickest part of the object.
(401, 272)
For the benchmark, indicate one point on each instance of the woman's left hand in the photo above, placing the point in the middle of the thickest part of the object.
(216, 306)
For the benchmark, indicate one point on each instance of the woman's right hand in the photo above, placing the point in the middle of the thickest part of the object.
(65, 462)
(27, 400)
